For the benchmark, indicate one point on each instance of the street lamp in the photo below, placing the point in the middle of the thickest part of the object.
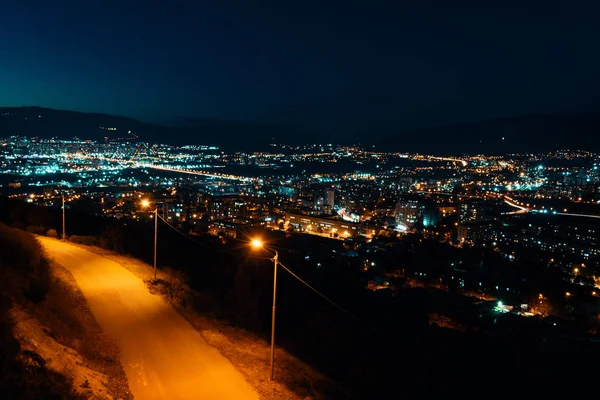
(145, 204)
(64, 235)
(258, 244)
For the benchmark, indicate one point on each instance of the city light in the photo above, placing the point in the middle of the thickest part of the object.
(414, 178)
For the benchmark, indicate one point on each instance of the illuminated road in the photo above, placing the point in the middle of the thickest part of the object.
(512, 203)
(192, 172)
(136, 164)
(522, 209)
(163, 356)
(452, 159)
(508, 200)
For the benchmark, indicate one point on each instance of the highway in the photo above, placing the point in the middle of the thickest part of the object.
(509, 201)
(136, 164)
(163, 356)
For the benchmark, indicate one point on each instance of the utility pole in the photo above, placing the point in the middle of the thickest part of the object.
(257, 243)
(155, 237)
(64, 235)
(275, 262)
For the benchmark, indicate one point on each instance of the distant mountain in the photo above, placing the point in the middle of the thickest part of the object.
(530, 133)
(46, 122)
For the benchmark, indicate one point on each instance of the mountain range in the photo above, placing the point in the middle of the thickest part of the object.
(530, 133)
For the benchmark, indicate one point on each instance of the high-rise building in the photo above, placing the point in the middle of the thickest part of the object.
(431, 217)
(407, 214)
(463, 233)
(330, 198)
(226, 207)
(467, 212)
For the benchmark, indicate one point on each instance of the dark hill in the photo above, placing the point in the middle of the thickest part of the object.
(46, 122)
(531, 133)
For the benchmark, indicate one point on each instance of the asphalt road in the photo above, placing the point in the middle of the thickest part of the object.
(163, 356)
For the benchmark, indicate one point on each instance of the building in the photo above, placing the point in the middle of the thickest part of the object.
(287, 191)
(431, 216)
(325, 226)
(319, 200)
(446, 210)
(407, 214)
(467, 212)
(233, 227)
(463, 233)
(404, 184)
(330, 199)
(172, 209)
(226, 207)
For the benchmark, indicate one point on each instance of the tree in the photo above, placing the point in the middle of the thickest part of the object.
(39, 217)
(245, 297)
(17, 214)
(174, 281)
(112, 238)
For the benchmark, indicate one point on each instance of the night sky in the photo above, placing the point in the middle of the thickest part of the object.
(325, 65)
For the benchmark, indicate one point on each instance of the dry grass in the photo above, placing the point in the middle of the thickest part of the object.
(39, 349)
(67, 323)
(55, 338)
(248, 352)
(71, 322)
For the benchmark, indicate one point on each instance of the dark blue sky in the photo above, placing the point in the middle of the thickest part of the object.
(324, 66)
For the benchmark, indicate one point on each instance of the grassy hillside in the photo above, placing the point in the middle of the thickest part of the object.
(50, 345)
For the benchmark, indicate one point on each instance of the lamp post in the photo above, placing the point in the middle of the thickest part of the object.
(155, 237)
(64, 235)
(146, 203)
(257, 243)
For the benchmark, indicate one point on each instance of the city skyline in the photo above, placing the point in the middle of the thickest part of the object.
(299, 200)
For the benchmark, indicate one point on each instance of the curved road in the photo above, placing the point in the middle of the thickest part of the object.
(163, 356)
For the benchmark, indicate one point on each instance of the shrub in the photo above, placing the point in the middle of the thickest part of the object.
(112, 238)
(52, 233)
(174, 282)
(21, 252)
(36, 230)
(23, 374)
(86, 240)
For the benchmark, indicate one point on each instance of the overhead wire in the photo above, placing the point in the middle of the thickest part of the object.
(318, 292)
(278, 262)
(183, 234)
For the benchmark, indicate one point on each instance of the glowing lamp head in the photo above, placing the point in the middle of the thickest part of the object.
(145, 203)
(257, 243)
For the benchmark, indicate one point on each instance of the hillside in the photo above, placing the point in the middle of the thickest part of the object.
(530, 133)
(50, 345)
(46, 122)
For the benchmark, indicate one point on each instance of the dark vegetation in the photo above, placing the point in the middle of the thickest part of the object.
(24, 271)
(27, 281)
(390, 348)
